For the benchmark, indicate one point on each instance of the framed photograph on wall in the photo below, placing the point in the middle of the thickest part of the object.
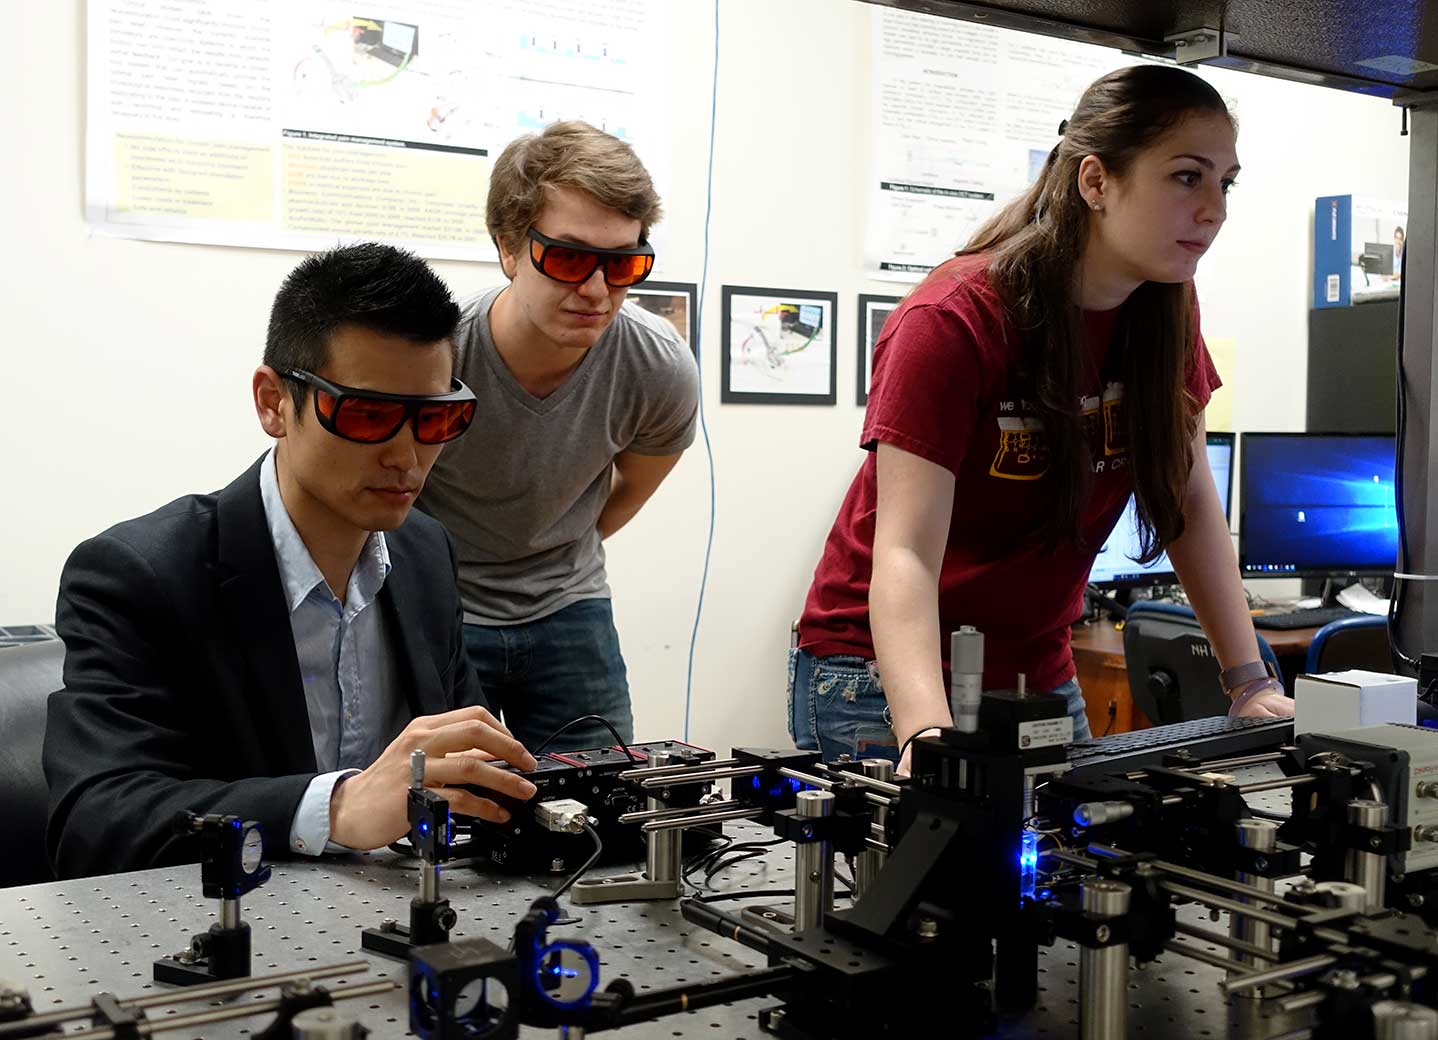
(673, 301)
(873, 312)
(779, 346)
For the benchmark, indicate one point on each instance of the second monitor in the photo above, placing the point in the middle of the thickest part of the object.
(1317, 505)
(1114, 567)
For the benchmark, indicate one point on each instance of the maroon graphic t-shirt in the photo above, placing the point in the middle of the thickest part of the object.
(946, 388)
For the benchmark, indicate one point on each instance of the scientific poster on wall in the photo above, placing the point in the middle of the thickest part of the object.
(300, 123)
(963, 117)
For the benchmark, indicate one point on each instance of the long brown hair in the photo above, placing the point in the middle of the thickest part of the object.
(1035, 245)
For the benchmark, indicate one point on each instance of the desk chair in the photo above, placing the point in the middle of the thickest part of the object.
(29, 673)
(1173, 675)
(1352, 642)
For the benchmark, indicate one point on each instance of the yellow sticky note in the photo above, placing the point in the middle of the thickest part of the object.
(1219, 415)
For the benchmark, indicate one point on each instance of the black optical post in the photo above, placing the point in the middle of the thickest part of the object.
(430, 917)
(232, 866)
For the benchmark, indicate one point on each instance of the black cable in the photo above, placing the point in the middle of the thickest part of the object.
(905, 747)
(732, 861)
(702, 859)
(586, 718)
(730, 855)
(708, 854)
(593, 859)
(1395, 604)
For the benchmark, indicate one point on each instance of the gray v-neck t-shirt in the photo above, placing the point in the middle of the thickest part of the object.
(522, 490)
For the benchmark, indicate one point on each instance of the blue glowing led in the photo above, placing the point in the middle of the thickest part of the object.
(236, 824)
(1028, 863)
(757, 783)
(547, 963)
(793, 784)
(424, 826)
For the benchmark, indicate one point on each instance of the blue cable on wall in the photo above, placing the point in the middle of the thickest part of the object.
(699, 357)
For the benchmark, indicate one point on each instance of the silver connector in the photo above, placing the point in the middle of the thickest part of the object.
(869, 862)
(1368, 869)
(1262, 837)
(1103, 971)
(1395, 1020)
(813, 865)
(416, 769)
(564, 815)
(663, 850)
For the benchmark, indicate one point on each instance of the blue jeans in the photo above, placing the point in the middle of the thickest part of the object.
(837, 708)
(541, 674)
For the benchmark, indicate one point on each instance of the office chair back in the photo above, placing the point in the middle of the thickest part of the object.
(1353, 642)
(1173, 675)
(29, 673)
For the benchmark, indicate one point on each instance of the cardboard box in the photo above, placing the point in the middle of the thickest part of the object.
(1347, 700)
(1357, 249)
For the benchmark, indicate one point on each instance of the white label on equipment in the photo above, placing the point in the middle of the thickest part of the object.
(1333, 288)
(1045, 733)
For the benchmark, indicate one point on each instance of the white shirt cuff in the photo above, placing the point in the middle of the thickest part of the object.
(310, 828)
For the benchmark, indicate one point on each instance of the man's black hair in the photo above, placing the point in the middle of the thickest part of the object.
(374, 286)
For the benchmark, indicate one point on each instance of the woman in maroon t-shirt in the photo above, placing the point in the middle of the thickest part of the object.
(1008, 391)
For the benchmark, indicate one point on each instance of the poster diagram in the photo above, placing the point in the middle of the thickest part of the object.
(963, 116)
(300, 123)
(389, 78)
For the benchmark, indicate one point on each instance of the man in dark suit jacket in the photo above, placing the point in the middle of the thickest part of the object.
(276, 650)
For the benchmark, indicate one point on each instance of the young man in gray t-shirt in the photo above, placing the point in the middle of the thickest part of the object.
(584, 405)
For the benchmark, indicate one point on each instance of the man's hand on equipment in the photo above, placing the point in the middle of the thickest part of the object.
(370, 810)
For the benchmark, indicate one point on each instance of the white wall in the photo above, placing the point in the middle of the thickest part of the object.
(128, 362)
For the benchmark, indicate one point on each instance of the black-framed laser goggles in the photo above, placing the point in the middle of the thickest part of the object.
(574, 264)
(372, 417)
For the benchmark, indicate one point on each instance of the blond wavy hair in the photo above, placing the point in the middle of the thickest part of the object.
(569, 154)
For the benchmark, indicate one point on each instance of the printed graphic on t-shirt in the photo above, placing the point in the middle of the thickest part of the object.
(1091, 416)
(1023, 451)
(1113, 427)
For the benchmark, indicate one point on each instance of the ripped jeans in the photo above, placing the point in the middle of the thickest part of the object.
(837, 707)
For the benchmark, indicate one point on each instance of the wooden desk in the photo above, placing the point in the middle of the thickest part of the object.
(1098, 656)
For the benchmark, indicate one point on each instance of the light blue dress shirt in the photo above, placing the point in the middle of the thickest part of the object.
(347, 663)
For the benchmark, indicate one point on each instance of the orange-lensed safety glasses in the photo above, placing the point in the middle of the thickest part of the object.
(370, 417)
(573, 264)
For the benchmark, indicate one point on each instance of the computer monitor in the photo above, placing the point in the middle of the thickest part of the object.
(1114, 567)
(811, 314)
(1317, 504)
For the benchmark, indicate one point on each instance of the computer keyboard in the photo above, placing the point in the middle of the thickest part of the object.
(1218, 737)
(1314, 617)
